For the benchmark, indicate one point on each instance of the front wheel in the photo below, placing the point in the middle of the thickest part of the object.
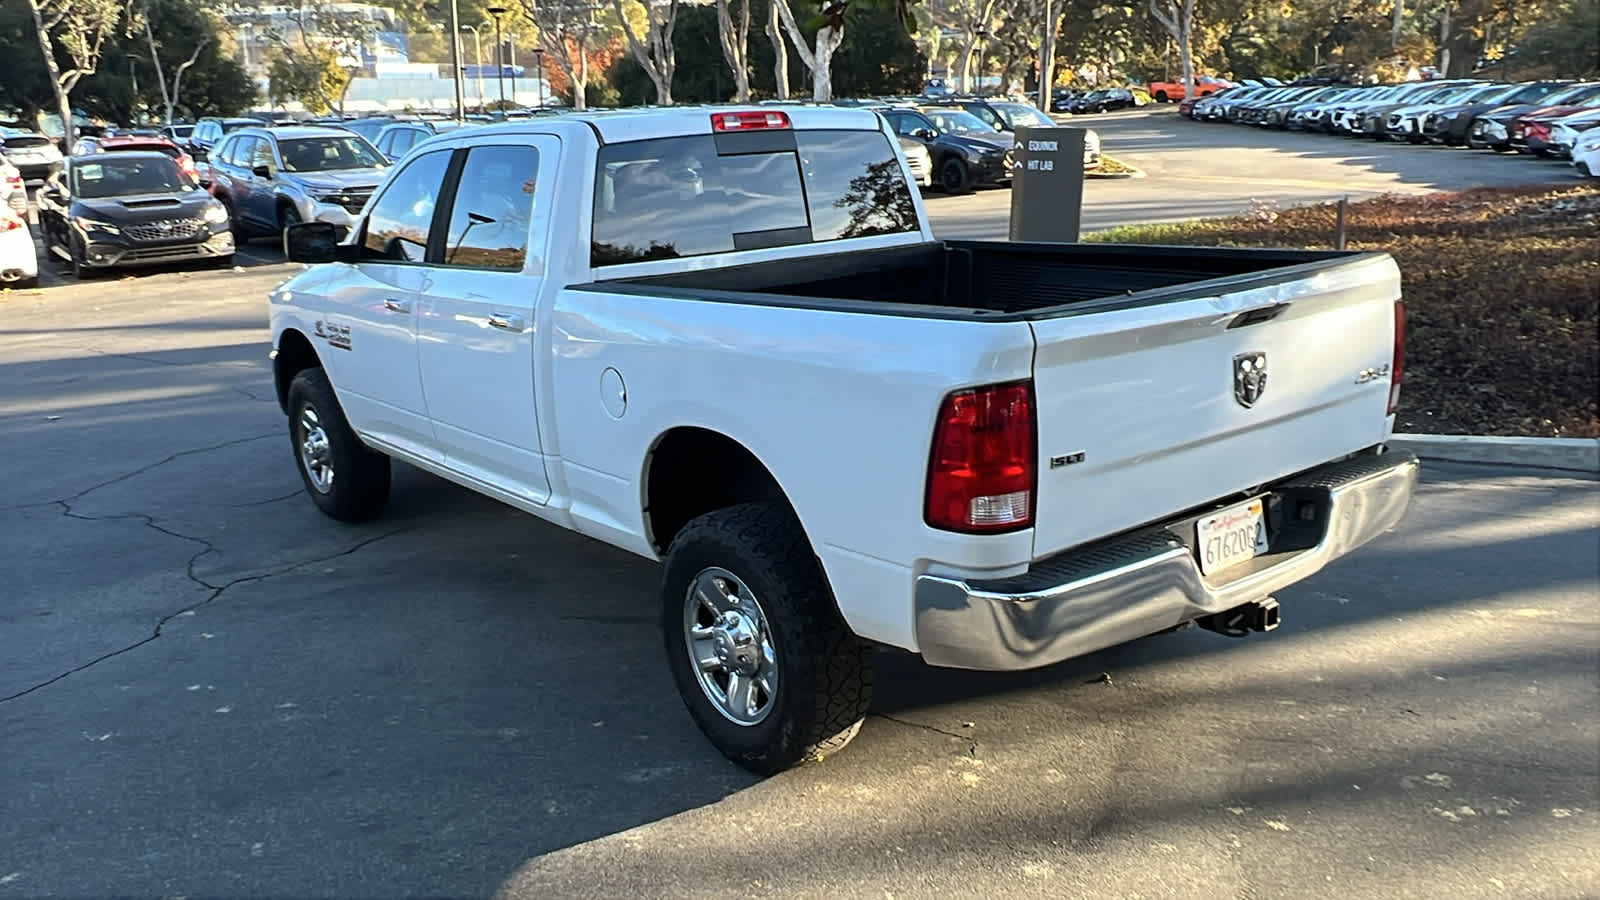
(761, 657)
(345, 479)
(954, 177)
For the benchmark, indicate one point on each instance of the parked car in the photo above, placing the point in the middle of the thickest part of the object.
(13, 190)
(209, 131)
(1404, 123)
(1006, 116)
(1492, 129)
(1525, 126)
(114, 210)
(1215, 108)
(178, 133)
(19, 262)
(1564, 133)
(1370, 119)
(33, 154)
(1204, 85)
(1586, 153)
(1449, 124)
(966, 152)
(396, 139)
(122, 143)
(1061, 99)
(1105, 101)
(1063, 447)
(1272, 110)
(271, 178)
(1311, 113)
(369, 126)
(918, 159)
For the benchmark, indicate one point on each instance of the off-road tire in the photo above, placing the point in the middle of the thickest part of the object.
(360, 485)
(824, 671)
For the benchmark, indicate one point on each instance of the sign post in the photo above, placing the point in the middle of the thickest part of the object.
(1047, 187)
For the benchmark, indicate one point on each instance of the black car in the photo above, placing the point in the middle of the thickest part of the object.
(965, 151)
(1061, 99)
(1492, 128)
(208, 133)
(1105, 101)
(111, 210)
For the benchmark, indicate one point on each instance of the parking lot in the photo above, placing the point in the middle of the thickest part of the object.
(208, 688)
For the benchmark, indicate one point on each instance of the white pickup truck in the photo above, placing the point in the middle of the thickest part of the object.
(728, 339)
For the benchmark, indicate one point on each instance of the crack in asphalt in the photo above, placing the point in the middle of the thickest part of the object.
(206, 547)
(972, 743)
(217, 590)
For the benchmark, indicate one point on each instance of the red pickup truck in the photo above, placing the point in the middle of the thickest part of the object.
(1165, 91)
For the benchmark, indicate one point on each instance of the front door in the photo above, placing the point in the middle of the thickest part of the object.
(478, 328)
(372, 313)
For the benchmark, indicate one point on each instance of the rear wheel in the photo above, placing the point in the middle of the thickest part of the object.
(345, 479)
(234, 225)
(287, 215)
(1161, 96)
(761, 657)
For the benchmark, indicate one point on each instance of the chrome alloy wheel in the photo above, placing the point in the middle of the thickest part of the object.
(730, 646)
(314, 453)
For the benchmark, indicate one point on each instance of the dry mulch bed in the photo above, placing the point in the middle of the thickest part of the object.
(1502, 290)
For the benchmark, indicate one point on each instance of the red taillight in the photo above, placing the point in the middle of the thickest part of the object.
(748, 121)
(1397, 368)
(981, 477)
(186, 163)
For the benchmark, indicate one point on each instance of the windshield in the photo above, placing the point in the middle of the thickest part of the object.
(1018, 114)
(328, 154)
(32, 140)
(113, 177)
(1528, 93)
(952, 122)
(1492, 93)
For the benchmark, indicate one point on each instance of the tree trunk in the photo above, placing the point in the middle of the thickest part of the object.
(1047, 57)
(580, 79)
(1399, 20)
(1444, 42)
(735, 41)
(659, 61)
(1186, 49)
(828, 40)
(62, 83)
(161, 78)
(780, 50)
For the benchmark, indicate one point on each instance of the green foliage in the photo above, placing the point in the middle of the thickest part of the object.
(1568, 43)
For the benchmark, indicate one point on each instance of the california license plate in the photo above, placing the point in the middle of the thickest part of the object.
(1231, 536)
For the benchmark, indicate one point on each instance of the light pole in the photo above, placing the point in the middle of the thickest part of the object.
(477, 57)
(455, 61)
(499, 49)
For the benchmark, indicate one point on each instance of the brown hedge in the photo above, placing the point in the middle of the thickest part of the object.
(1502, 289)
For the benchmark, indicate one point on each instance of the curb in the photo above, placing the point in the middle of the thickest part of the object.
(1134, 172)
(1569, 454)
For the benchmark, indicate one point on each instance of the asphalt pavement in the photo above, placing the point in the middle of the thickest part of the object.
(209, 689)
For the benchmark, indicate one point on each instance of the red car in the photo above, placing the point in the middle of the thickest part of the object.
(1536, 123)
(137, 142)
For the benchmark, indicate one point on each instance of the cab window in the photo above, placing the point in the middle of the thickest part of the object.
(493, 206)
(401, 220)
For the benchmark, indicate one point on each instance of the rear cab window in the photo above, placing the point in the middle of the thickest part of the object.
(693, 195)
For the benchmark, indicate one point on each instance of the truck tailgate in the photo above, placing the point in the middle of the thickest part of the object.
(1141, 415)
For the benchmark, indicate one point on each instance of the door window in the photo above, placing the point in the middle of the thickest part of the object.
(261, 153)
(402, 216)
(493, 205)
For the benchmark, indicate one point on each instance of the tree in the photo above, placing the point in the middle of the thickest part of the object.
(780, 51)
(169, 98)
(735, 41)
(80, 27)
(313, 61)
(817, 54)
(1178, 20)
(659, 58)
(567, 30)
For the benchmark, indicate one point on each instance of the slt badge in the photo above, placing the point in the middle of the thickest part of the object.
(1249, 378)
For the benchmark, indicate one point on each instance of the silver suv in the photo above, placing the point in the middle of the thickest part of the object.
(271, 178)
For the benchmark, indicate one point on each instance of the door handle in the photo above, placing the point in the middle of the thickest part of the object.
(505, 321)
(394, 305)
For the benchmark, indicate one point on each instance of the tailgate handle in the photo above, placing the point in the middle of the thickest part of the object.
(1258, 315)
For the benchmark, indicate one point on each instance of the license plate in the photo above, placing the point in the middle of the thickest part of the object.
(1231, 536)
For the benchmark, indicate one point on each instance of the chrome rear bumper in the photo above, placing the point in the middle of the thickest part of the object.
(1136, 584)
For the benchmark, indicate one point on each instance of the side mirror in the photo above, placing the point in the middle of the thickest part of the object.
(262, 171)
(924, 133)
(315, 242)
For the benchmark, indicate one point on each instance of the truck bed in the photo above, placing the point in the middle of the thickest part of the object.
(989, 279)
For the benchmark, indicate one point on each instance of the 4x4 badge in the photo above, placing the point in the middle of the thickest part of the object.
(1249, 378)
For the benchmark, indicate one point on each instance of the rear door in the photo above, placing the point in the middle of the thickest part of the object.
(1148, 411)
(477, 328)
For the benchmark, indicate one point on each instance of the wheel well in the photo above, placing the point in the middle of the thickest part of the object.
(692, 471)
(295, 355)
